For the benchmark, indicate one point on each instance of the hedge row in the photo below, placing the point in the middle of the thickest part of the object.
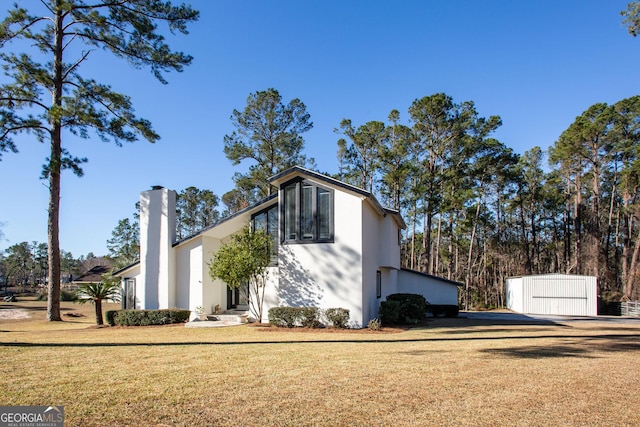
(403, 309)
(308, 317)
(146, 317)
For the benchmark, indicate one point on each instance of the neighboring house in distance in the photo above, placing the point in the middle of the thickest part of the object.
(94, 275)
(334, 246)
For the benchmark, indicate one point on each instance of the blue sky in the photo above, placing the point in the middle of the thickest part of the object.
(537, 64)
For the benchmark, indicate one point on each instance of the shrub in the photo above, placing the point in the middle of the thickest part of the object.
(150, 317)
(412, 307)
(68, 296)
(337, 317)
(375, 325)
(390, 312)
(289, 317)
(110, 317)
(308, 317)
(283, 317)
(43, 295)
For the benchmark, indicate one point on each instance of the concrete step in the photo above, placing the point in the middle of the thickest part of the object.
(239, 317)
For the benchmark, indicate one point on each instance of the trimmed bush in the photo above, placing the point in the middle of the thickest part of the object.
(68, 296)
(443, 310)
(337, 317)
(390, 312)
(412, 307)
(283, 317)
(308, 317)
(109, 317)
(149, 317)
(289, 317)
(43, 295)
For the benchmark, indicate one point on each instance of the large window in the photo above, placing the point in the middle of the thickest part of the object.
(307, 213)
(267, 220)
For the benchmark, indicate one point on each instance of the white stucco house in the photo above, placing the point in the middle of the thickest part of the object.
(334, 246)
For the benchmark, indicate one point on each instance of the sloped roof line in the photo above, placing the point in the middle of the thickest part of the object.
(94, 274)
(226, 218)
(431, 276)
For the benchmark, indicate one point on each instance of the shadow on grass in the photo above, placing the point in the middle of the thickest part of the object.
(17, 306)
(540, 352)
(584, 346)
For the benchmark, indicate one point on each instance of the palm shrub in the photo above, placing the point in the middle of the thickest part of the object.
(95, 293)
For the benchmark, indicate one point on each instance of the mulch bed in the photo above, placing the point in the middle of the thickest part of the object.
(392, 329)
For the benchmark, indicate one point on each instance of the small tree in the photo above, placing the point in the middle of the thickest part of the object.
(244, 259)
(95, 293)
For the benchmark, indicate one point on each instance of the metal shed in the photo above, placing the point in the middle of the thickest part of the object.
(561, 294)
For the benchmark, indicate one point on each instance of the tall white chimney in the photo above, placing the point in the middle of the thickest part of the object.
(157, 259)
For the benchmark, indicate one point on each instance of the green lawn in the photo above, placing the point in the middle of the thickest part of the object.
(447, 372)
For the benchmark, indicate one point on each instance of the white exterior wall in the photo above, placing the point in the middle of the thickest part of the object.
(214, 292)
(157, 257)
(514, 291)
(372, 254)
(389, 284)
(388, 246)
(192, 287)
(270, 293)
(556, 294)
(133, 273)
(435, 291)
(326, 275)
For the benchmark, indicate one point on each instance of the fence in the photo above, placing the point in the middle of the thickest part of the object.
(630, 308)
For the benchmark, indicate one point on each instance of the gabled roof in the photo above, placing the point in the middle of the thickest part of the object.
(94, 275)
(125, 268)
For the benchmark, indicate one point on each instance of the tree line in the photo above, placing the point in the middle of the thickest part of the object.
(452, 231)
(25, 265)
(477, 212)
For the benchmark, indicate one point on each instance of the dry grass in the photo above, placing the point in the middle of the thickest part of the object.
(448, 372)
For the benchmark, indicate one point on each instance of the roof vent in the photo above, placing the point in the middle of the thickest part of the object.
(157, 187)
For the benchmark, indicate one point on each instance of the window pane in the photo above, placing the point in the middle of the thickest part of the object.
(260, 222)
(324, 214)
(272, 229)
(290, 213)
(306, 212)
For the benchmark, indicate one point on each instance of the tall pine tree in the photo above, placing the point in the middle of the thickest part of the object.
(47, 95)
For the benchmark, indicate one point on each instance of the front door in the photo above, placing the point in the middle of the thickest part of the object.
(129, 300)
(238, 298)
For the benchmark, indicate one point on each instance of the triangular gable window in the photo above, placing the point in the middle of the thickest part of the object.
(306, 212)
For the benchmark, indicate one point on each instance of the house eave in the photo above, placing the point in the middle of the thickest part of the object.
(246, 211)
(440, 279)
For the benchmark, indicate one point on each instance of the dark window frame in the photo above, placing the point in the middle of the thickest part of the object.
(378, 284)
(265, 211)
(298, 184)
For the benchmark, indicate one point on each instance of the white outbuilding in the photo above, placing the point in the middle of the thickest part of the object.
(558, 294)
